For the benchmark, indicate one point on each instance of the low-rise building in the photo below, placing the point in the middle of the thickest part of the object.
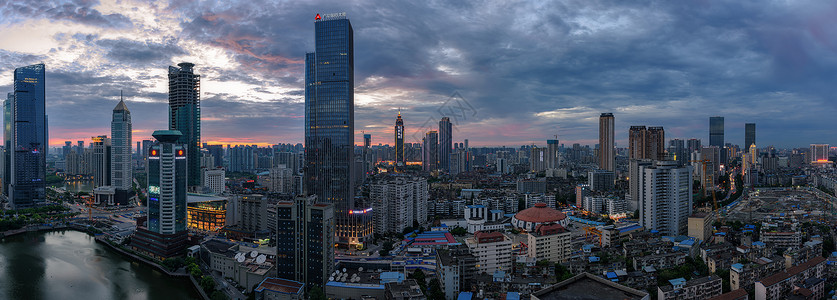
(589, 286)
(696, 289)
(660, 261)
(739, 294)
(272, 288)
(551, 242)
(455, 268)
(700, 225)
(492, 250)
(780, 285)
(744, 275)
(405, 290)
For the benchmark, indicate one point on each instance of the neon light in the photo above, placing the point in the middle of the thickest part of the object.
(317, 17)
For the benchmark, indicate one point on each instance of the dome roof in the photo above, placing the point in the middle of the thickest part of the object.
(540, 214)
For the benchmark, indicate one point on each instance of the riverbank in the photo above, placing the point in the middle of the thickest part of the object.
(102, 240)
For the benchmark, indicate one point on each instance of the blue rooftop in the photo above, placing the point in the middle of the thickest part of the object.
(593, 259)
(475, 206)
(677, 281)
(465, 296)
(611, 275)
(387, 277)
(513, 296)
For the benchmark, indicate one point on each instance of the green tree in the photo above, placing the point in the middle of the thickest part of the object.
(385, 249)
(420, 278)
(458, 231)
(435, 292)
(219, 295)
(316, 293)
(208, 284)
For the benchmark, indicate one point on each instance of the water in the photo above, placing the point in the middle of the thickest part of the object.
(79, 186)
(71, 265)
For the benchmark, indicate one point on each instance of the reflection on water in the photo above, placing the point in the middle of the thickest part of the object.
(71, 265)
(79, 186)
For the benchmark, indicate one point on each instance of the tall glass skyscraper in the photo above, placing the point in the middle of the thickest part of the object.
(26, 136)
(185, 114)
(749, 135)
(607, 149)
(120, 153)
(716, 135)
(445, 143)
(329, 118)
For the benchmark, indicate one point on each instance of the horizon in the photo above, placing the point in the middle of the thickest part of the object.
(525, 76)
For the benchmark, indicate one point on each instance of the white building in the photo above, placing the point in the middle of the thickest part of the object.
(551, 242)
(665, 197)
(492, 250)
(398, 201)
(215, 180)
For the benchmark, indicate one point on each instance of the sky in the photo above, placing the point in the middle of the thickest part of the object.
(505, 72)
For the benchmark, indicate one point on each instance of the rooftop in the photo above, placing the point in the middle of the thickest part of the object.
(587, 286)
(280, 285)
(733, 295)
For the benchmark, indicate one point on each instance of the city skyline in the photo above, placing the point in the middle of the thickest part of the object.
(252, 72)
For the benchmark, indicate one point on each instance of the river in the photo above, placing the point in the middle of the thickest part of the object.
(71, 265)
(79, 186)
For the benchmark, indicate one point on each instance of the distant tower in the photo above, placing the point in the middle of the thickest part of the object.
(399, 140)
(430, 157)
(716, 135)
(749, 135)
(445, 144)
(121, 167)
(185, 114)
(607, 158)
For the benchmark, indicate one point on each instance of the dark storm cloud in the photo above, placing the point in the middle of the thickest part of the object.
(78, 11)
(146, 53)
(531, 69)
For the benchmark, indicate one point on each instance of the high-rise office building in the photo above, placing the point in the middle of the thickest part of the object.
(139, 149)
(445, 144)
(636, 142)
(749, 135)
(819, 152)
(305, 240)
(367, 151)
(635, 181)
(693, 145)
(102, 149)
(68, 146)
(716, 135)
(163, 233)
(552, 155)
(677, 152)
(646, 143)
(329, 117)
(26, 136)
(665, 198)
(607, 158)
(399, 140)
(185, 114)
(430, 158)
(120, 160)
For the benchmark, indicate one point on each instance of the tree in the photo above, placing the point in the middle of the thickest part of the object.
(316, 294)
(458, 231)
(219, 295)
(420, 278)
(385, 249)
(208, 284)
(435, 292)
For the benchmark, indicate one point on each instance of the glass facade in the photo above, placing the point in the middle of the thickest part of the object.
(716, 135)
(445, 143)
(185, 114)
(329, 117)
(27, 134)
(207, 216)
(120, 133)
(399, 140)
(749, 135)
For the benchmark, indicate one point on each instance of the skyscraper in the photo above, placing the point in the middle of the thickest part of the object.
(329, 117)
(399, 140)
(677, 152)
(185, 114)
(120, 154)
(367, 153)
(655, 139)
(693, 145)
(716, 135)
(102, 150)
(305, 240)
(749, 135)
(552, 158)
(607, 158)
(445, 144)
(665, 198)
(163, 233)
(819, 152)
(636, 142)
(27, 136)
(430, 158)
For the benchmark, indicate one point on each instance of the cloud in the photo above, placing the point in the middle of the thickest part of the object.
(79, 11)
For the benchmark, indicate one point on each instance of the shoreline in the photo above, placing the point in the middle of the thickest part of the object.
(101, 240)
